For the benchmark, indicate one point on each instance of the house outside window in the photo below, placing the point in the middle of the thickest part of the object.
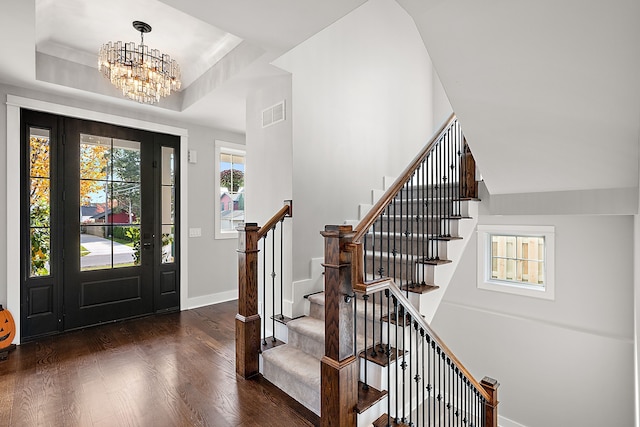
(517, 259)
(229, 177)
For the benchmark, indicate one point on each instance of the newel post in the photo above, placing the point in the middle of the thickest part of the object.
(339, 367)
(468, 183)
(247, 319)
(491, 387)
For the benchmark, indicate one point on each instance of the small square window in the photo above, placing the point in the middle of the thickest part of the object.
(516, 259)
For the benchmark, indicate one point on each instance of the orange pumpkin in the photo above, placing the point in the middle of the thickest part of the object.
(7, 328)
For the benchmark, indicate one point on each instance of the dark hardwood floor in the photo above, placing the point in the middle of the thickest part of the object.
(166, 370)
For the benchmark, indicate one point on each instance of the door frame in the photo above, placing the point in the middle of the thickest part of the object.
(14, 104)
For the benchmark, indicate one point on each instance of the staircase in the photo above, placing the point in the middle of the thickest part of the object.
(294, 366)
(365, 345)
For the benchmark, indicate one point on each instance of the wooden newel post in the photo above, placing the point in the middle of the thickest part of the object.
(339, 367)
(468, 183)
(247, 319)
(491, 387)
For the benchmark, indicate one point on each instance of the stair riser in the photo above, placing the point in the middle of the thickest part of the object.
(318, 311)
(422, 226)
(403, 271)
(435, 207)
(415, 245)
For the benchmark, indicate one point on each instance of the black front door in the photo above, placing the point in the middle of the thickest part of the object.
(109, 249)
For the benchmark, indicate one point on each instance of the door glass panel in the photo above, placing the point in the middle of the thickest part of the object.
(110, 203)
(167, 203)
(39, 202)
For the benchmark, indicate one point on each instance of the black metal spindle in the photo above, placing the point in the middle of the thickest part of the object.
(273, 283)
(264, 290)
(365, 256)
(281, 270)
(410, 376)
(411, 237)
(366, 360)
(397, 317)
(355, 325)
(373, 250)
(405, 318)
(424, 378)
(417, 377)
(450, 391)
(381, 232)
(445, 183)
(388, 294)
(423, 207)
(374, 353)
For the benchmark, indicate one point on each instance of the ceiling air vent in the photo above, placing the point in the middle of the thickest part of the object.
(273, 114)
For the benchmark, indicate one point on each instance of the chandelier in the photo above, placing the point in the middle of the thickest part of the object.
(143, 74)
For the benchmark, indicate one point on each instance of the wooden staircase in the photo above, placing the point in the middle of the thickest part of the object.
(395, 256)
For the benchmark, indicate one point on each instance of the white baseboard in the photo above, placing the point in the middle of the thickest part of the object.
(211, 299)
(506, 422)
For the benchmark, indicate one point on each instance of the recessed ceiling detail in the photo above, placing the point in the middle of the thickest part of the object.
(194, 44)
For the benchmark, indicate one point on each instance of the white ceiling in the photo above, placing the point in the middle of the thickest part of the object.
(224, 48)
(547, 91)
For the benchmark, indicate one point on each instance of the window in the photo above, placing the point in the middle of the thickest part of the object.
(229, 179)
(516, 259)
(39, 202)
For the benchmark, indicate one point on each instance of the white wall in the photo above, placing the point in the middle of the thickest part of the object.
(564, 362)
(269, 168)
(636, 270)
(362, 108)
(210, 277)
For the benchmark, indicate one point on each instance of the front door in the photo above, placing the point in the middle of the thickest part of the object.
(110, 250)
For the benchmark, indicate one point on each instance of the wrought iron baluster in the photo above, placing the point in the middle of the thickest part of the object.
(424, 378)
(366, 360)
(410, 420)
(410, 238)
(273, 283)
(388, 294)
(396, 316)
(264, 289)
(373, 327)
(281, 270)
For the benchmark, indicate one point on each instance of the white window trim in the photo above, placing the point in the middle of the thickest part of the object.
(484, 260)
(231, 148)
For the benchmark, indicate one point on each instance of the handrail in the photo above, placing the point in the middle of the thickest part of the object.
(388, 196)
(384, 284)
(284, 212)
(249, 320)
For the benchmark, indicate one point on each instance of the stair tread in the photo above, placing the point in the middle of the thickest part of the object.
(367, 397)
(382, 422)
(309, 326)
(421, 288)
(295, 362)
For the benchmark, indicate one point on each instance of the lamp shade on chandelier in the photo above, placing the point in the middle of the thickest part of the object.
(144, 75)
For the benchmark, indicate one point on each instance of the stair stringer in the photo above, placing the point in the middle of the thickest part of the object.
(428, 303)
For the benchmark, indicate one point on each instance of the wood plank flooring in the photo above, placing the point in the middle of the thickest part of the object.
(167, 370)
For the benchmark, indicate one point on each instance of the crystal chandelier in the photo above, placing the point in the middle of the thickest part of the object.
(142, 74)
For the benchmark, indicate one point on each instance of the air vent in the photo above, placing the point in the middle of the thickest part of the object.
(273, 114)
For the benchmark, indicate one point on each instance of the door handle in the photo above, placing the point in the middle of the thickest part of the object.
(146, 245)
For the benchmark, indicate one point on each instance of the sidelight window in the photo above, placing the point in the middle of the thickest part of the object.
(39, 202)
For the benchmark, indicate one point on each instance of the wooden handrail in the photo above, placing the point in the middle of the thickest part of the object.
(390, 194)
(383, 284)
(284, 212)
